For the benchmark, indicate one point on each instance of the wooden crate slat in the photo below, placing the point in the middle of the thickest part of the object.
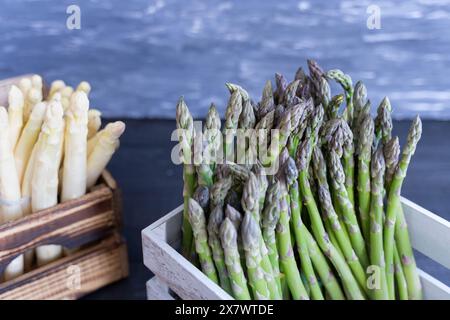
(430, 234)
(433, 289)
(71, 224)
(99, 265)
(158, 290)
(172, 268)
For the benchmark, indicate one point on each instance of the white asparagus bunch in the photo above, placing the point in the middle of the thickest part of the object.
(44, 181)
(105, 146)
(94, 122)
(15, 114)
(28, 138)
(75, 147)
(10, 208)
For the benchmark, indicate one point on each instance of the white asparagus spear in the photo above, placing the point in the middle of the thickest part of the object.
(25, 85)
(36, 85)
(55, 87)
(85, 87)
(92, 142)
(33, 97)
(44, 182)
(26, 200)
(15, 115)
(107, 143)
(28, 138)
(66, 93)
(26, 181)
(10, 208)
(94, 122)
(36, 82)
(75, 158)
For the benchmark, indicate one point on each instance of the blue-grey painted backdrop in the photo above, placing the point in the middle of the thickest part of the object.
(141, 55)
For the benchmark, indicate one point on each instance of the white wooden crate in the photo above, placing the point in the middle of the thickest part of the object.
(430, 235)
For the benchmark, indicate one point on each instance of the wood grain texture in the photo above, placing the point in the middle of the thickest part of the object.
(158, 290)
(172, 268)
(71, 224)
(96, 266)
(161, 239)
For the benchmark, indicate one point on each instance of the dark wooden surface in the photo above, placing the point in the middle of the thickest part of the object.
(152, 186)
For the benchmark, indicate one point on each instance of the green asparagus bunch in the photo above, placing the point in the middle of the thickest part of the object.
(319, 214)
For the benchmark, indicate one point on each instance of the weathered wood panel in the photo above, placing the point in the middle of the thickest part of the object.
(73, 276)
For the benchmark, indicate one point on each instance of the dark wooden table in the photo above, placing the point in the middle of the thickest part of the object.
(152, 186)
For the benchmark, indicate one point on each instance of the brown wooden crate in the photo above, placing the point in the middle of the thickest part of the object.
(98, 265)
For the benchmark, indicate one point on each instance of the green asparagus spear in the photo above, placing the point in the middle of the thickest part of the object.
(291, 175)
(346, 82)
(383, 121)
(359, 101)
(213, 137)
(228, 237)
(391, 156)
(325, 93)
(403, 246)
(316, 73)
(281, 84)
(185, 125)
(290, 94)
(251, 240)
(198, 223)
(366, 136)
(392, 213)
(234, 87)
(201, 195)
(320, 262)
(376, 223)
(349, 282)
(347, 209)
(267, 103)
(287, 125)
(232, 115)
(270, 217)
(219, 191)
(348, 162)
(250, 197)
(286, 252)
(236, 218)
(250, 203)
(333, 220)
(401, 285)
(215, 220)
(263, 184)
